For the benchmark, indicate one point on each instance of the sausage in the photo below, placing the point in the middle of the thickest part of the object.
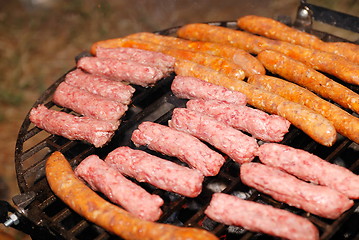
(159, 172)
(114, 90)
(91, 206)
(313, 124)
(310, 167)
(238, 146)
(319, 60)
(120, 190)
(195, 88)
(313, 80)
(88, 104)
(128, 71)
(184, 146)
(316, 199)
(257, 217)
(246, 61)
(259, 124)
(96, 132)
(344, 123)
(217, 63)
(149, 58)
(273, 29)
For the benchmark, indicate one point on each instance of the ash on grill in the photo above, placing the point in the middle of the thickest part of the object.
(42, 215)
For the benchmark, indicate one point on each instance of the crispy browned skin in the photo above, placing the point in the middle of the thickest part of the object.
(345, 123)
(221, 64)
(246, 61)
(320, 60)
(273, 29)
(313, 80)
(91, 206)
(312, 123)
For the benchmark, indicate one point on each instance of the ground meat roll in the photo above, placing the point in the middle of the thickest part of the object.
(184, 146)
(120, 190)
(161, 173)
(96, 132)
(240, 147)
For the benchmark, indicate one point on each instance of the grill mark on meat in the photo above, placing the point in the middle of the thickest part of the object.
(113, 90)
(259, 124)
(184, 146)
(257, 217)
(120, 190)
(194, 88)
(316, 199)
(88, 104)
(96, 132)
(240, 147)
(161, 173)
(309, 167)
(128, 71)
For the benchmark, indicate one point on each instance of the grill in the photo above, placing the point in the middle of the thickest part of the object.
(39, 213)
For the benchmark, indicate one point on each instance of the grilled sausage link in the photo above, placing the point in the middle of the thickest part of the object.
(276, 30)
(344, 123)
(313, 80)
(246, 61)
(312, 123)
(217, 63)
(344, 69)
(91, 206)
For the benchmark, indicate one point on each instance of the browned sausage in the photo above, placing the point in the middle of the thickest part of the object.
(276, 30)
(312, 123)
(345, 123)
(320, 60)
(91, 206)
(217, 63)
(313, 80)
(246, 61)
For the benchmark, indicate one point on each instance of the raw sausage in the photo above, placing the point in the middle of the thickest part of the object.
(114, 90)
(96, 132)
(120, 190)
(88, 104)
(238, 146)
(273, 29)
(344, 123)
(310, 167)
(258, 217)
(259, 124)
(319, 60)
(195, 88)
(184, 146)
(312, 123)
(127, 71)
(318, 200)
(88, 204)
(309, 78)
(149, 58)
(159, 172)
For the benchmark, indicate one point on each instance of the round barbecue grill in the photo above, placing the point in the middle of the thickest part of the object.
(42, 215)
